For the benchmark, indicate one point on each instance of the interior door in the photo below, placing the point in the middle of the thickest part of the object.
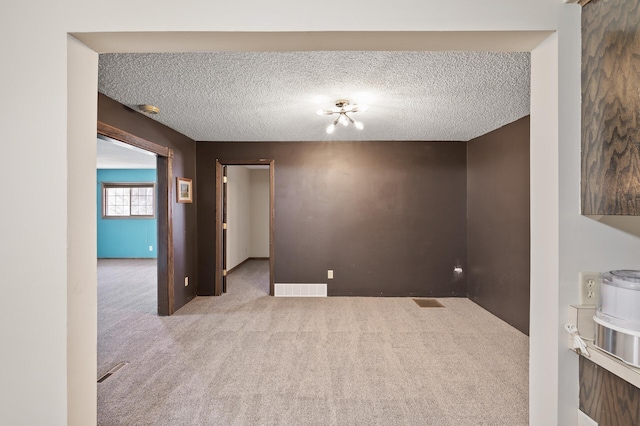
(224, 229)
(219, 268)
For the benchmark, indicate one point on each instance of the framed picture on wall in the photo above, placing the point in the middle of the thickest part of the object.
(184, 190)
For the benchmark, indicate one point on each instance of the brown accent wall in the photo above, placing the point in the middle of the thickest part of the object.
(388, 217)
(498, 222)
(611, 107)
(606, 398)
(184, 165)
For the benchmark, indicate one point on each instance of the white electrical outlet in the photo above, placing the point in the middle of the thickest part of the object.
(589, 286)
(186, 281)
(330, 274)
(150, 248)
(584, 420)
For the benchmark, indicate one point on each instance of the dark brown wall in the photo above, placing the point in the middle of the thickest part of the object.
(606, 398)
(388, 217)
(184, 165)
(611, 107)
(498, 222)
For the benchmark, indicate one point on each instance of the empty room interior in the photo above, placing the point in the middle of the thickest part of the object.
(398, 205)
(374, 235)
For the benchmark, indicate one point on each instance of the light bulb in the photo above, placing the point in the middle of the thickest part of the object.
(359, 125)
(320, 112)
(330, 128)
(362, 108)
(343, 120)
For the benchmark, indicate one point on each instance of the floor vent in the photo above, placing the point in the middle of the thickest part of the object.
(109, 373)
(428, 303)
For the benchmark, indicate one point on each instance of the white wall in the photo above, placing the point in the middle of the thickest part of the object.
(238, 215)
(563, 242)
(247, 214)
(82, 252)
(543, 362)
(33, 217)
(585, 244)
(33, 114)
(260, 213)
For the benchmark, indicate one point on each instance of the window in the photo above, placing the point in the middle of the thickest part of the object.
(128, 200)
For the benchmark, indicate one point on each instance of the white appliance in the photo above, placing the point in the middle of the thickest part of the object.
(617, 315)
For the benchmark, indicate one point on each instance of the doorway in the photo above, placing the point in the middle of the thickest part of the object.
(127, 237)
(246, 213)
(543, 270)
(164, 175)
(221, 227)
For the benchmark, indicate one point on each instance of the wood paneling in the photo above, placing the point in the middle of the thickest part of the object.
(606, 398)
(611, 107)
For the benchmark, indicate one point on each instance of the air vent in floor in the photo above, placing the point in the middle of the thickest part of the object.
(428, 303)
(109, 373)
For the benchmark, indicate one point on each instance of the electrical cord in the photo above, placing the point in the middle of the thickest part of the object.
(578, 342)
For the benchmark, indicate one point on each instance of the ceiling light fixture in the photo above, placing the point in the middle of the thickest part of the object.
(149, 109)
(343, 109)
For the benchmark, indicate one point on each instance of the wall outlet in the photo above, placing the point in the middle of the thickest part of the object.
(150, 248)
(584, 420)
(330, 274)
(589, 286)
(186, 281)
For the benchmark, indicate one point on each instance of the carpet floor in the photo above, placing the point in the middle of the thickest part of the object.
(246, 358)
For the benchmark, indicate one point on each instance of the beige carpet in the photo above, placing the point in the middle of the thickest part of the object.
(249, 359)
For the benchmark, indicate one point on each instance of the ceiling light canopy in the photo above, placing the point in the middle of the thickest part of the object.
(149, 109)
(343, 109)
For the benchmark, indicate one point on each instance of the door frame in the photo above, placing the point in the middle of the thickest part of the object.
(217, 288)
(164, 173)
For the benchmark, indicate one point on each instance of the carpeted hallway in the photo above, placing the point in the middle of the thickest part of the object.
(246, 358)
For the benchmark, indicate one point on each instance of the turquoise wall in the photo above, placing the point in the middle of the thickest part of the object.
(125, 238)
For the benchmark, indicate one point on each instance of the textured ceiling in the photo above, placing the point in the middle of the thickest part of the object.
(117, 155)
(273, 96)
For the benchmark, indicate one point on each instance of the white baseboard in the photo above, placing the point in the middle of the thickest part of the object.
(300, 290)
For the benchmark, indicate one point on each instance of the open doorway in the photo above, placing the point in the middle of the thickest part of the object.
(246, 212)
(233, 244)
(546, 57)
(162, 196)
(126, 230)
